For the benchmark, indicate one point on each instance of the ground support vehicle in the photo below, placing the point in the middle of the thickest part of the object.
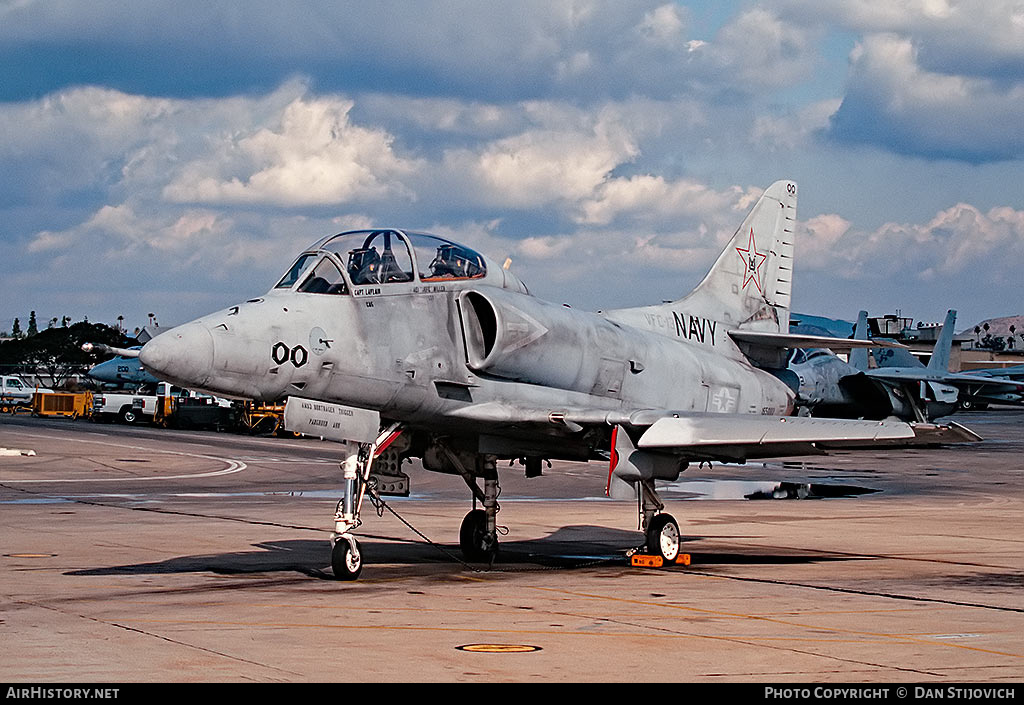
(202, 411)
(71, 405)
(141, 406)
(15, 391)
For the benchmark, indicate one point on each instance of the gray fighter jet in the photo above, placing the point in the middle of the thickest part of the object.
(931, 391)
(831, 387)
(123, 369)
(406, 345)
(984, 396)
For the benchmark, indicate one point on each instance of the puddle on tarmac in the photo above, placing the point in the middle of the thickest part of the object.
(741, 489)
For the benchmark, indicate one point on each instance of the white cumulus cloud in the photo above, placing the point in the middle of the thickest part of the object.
(311, 155)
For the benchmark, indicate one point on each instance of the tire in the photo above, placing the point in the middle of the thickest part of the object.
(128, 415)
(473, 538)
(663, 537)
(346, 560)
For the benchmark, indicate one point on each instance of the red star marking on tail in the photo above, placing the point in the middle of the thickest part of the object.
(752, 261)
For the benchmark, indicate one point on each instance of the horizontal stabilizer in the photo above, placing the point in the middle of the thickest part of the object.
(797, 340)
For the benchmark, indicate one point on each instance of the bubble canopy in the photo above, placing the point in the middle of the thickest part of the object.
(382, 256)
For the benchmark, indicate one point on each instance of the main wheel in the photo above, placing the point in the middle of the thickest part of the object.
(346, 559)
(128, 415)
(473, 540)
(663, 537)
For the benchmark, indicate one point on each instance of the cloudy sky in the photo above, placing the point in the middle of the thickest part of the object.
(172, 158)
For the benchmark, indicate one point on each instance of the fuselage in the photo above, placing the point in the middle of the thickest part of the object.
(432, 350)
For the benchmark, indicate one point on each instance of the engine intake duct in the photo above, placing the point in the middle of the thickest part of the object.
(521, 338)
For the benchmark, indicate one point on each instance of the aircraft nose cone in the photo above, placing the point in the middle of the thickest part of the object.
(183, 355)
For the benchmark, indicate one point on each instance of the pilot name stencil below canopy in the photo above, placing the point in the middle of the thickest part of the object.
(406, 345)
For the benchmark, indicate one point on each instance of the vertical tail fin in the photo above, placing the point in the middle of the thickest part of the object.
(939, 361)
(859, 356)
(750, 285)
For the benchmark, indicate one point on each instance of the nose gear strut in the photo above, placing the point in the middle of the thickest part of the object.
(346, 556)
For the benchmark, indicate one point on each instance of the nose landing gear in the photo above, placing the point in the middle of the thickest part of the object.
(346, 558)
(346, 555)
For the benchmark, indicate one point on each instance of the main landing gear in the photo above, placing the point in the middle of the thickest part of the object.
(478, 536)
(660, 529)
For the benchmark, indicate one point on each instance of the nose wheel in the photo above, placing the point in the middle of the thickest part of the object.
(346, 558)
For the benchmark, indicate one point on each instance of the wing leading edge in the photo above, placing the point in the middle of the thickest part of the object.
(713, 436)
(743, 431)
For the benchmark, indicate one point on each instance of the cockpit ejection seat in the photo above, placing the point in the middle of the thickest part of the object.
(390, 270)
(364, 266)
(450, 261)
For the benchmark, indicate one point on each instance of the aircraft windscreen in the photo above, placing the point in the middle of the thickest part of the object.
(295, 271)
(325, 279)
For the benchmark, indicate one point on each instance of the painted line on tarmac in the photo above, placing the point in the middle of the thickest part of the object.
(233, 466)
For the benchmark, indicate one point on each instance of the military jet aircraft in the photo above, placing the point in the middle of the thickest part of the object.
(123, 369)
(828, 386)
(984, 397)
(930, 391)
(405, 345)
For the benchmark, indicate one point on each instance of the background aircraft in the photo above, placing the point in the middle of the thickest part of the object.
(828, 386)
(983, 398)
(932, 390)
(461, 367)
(122, 370)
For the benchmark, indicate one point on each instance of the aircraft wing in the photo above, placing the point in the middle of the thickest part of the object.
(706, 436)
(799, 340)
(744, 436)
(662, 449)
(959, 378)
(923, 374)
(1015, 373)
